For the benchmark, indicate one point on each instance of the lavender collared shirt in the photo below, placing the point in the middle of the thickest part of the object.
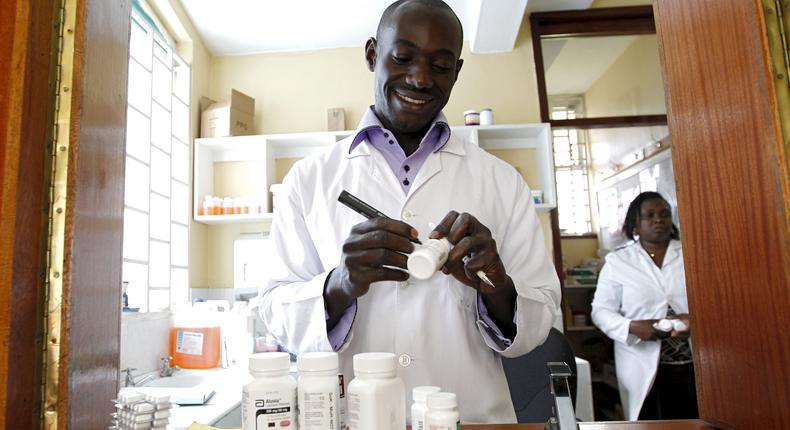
(405, 168)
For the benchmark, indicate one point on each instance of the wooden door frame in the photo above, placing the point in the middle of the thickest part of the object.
(90, 345)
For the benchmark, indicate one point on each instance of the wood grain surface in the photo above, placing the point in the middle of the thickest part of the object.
(94, 226)
(732, 199)
(25, 68)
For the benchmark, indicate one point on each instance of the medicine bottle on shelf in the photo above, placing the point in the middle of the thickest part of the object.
(318, 391)
(419, 407)
(227, 206)
(207, 208)
(217, 206)
(376, 396)
(269, 401)
(442, 412)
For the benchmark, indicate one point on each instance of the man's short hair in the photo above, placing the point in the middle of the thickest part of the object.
(438, 4)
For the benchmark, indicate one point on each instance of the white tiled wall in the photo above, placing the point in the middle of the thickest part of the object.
(144, 341)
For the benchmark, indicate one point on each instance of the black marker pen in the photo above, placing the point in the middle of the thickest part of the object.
(363, 208)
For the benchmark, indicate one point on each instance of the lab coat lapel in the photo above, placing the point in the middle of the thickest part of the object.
(433, 165)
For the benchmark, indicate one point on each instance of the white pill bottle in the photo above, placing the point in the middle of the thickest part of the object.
(428, 258)
(419, 407)
(318, 391)
(442, 412)
(269, 401)
(376, 396)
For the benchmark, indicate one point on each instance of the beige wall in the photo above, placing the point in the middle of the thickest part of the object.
(292, 91)
(576, 251)
(632, 85)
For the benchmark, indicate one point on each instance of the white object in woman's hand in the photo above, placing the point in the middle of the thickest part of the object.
(663, 325)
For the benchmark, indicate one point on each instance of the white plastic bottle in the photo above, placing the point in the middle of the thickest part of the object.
(318, 391)
(419, 407)
(427, 258)
(269, 401)
(376, 396)
(442, 412)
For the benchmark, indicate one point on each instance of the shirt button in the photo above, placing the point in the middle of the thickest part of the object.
(404, 360)
(407, 215)
(404, 284)
(391, 142)
(406, 181)
(406, 168)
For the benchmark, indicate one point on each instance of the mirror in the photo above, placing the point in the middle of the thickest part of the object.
(600, 87)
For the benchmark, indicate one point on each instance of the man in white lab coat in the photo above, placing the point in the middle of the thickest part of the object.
(338, 281)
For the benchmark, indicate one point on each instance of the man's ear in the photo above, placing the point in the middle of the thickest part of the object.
(370, 53)
(458, 66)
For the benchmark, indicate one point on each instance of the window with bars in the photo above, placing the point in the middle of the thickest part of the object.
(157, 183)
(571, 166)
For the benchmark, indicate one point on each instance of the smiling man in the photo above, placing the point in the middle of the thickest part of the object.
(339, 282)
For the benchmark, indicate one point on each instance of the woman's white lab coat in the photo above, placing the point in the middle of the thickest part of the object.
(631, 287)
(432, 326)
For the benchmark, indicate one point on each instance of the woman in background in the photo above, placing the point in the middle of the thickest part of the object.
(641, 283)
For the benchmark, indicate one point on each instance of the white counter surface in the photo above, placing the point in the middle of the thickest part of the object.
(227, 384)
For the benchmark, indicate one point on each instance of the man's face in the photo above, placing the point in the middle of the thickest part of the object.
(416, 62)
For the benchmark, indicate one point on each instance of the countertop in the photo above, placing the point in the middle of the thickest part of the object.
(228, 385)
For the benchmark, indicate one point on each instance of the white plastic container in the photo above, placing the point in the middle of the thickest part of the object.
(486, 116)
(269, 401)
(376, 396)
(442, 412)
(318, 391)
(471, 117)
(419, 407)
(427, 258)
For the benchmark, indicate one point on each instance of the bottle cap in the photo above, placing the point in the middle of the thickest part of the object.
(270, 362)
(442, 401)
(420, 394)
(420, 264)
(317, 361)
(471, 112)
(374, 362)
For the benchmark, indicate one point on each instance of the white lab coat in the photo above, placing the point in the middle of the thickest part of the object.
(432, 325)
(631, 287)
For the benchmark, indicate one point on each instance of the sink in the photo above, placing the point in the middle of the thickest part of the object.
(178, 381)
(183, 388)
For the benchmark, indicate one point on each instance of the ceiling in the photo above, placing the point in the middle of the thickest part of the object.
(243, 27)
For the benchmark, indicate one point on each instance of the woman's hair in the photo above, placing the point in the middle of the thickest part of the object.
(631, 217)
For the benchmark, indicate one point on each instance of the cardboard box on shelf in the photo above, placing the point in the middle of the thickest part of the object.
(227, 118)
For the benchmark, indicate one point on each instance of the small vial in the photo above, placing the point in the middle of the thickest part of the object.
(217, 206)
(227, 206)
(442, 412)
(427, 258)
(318, 391)
(419, 407)
(269, 401)
(663, 325)
(207, 207)
(679, 325)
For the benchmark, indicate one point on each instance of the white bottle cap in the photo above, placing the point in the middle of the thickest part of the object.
(270, 362)
(317, 361)
(420, 394)
(442, 401)
(374, 362)
(421, 265)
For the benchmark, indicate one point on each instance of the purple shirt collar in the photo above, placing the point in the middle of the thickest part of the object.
(405, 168)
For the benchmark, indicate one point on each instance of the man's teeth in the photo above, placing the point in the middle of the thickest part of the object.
(411, 100)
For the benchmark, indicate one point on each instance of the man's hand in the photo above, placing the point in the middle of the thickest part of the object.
(682, 334)
(472, 239)
(370, 254)
(644, 330)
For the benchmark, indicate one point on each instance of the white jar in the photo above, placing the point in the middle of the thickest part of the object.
(376, 396)
(318, 392)
(427, 258)
(419, 407)
(269, 401)
(471, 117)
(486, 117)
(442, 412)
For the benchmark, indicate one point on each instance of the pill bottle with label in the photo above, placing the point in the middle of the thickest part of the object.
(376, 396)
(427, 258)
(269, 401)
(195, 339)
(471, 117)
(341, 384)
(442, 412)
(419, 407)
(318, 391)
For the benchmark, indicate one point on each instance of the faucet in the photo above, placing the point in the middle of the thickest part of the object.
(129, 379)
(167, 369)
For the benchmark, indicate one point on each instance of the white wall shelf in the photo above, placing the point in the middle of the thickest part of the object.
(265, 149)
